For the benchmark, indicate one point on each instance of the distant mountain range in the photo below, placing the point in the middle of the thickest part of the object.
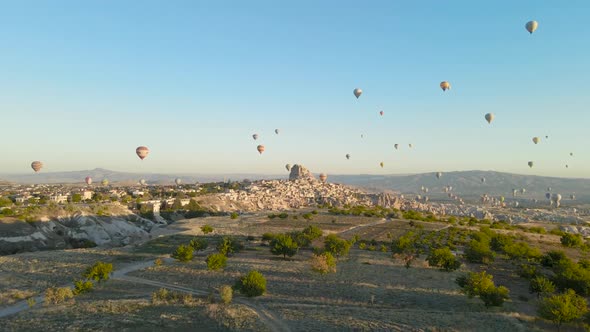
(465, 183)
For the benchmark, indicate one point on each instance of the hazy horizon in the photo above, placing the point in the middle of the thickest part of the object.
(85, 83)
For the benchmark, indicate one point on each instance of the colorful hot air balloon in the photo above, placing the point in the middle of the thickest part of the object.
(489, 117)
(536, 140)
(530, 163)
(396, 146)
(444, 85)
(438, 175)
(36, 166)
(347, 156)
(276, 131)
(531, 26)
(357, 92)
(105, 182)
(381, 164)
(255, 136)
(323, 177)
(142, 152)
(381, 113)
(88, 180)
(260, 148)
(178, 181)
(288, 167)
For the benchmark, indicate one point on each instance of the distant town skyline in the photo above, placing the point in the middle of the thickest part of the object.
(84, 83)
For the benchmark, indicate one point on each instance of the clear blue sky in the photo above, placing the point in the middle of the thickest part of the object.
(83, 83)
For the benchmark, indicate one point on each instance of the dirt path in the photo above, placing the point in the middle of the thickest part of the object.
(269, 319)
(378, 222)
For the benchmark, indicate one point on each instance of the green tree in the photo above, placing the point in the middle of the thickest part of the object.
(479, 252)
(284, 245)
(571, 240)
(495, 297)
(198, 244)
(177, 205)
(252, 284)
(482, 284)
(541, 285)
(183, 253)
(336, 246)
(323, 263)
(563, 308)
(229, 246)
(206, 229)
(100, 271)
(444, 259)
(5, 202)
(216, 261)
(76, 198)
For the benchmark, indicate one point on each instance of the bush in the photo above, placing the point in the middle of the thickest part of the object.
(284, 245)
(563, 308)
(323, 263)
(82, 286)
(57, 295)
(553, 258)
(206, 229)
(495, 297)
(100, 271)
(362, 245)
(307, 216)
(569, 275)
(158, 262)
(336, 246)
(252, 284)
(479, 252)
(164, 296)
(216, 261)
(226, 294)
(198, 244)
(444, 259)
(521, 250)
(234, 215)
(183, 253)
(481, 284)
(541, 285)
(527, 271)
(283, 215)
(229, 246)
(571, 240)
(268, 236)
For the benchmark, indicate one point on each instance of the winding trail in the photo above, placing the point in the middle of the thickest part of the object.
(272, 321)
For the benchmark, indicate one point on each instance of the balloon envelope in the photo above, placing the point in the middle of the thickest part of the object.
(288, 167)
(142, 152)
(347, 156)
(255, 136)
(444, 85)
(36, 166)
(489, 117)
(177, 181)
(357, 92)
(438, 175)
(105, 182)
(276, 131)
(531, 26)
(396, 146)
(323, 177)
(260, 148)
(536, 140)
(142, 182)
(530, 163)
(88, 180)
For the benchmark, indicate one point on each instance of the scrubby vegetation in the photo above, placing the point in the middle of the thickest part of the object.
(323, 263)
(216, 261)
(183, 253)
(252, 284)
(482, 285)
(100, 271)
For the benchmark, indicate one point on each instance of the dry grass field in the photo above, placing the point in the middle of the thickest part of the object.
(371, 290)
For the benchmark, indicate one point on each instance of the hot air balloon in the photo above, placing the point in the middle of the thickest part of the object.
(347, 156)
(571, 154)
(483, 180)
(255, 136)
(381, 164)
(546, 137)
(362, 135)
(502, 199)
(572, 197)
(514, 192)
(522, 191)
(142, 182)
(536, 140)
(142, 152)
(438, 175)
(276, 131)
(288, 167)
(567, 166)
(489, 117)
(381, 113)
(410, 145)
(548, 188)
(396, 146)
(531, 26)
(105, 182)
(357, 92)
(260, 148)
(556, 198)
(530, 163)
(444, 85)
(36, 166)
(178, 181)
(323, 177)
(88, 180)
(516, 204)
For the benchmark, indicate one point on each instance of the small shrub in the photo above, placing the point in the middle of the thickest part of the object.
(383, 248)
(494, 297)
(571, 240)
(323, 263)
(541, 285)
(82, 286)
(527, 271)
(31, 302)
(479, 252)
(183, 253)
(229, 246)
(362, 245)
(198, 244)
(57, 295)
(336, 246)
(158, 262)
(444, 259)
(216, 261)
(268, 236)
(226, 294)
(234, 215)
(307, 216)
(252, 284)
(206, 229)
(100, 271)
(283, 215)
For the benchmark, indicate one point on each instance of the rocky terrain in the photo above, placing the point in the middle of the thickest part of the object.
(73, 231)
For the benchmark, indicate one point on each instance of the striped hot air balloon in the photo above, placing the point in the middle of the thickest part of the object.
(142, 152)
(444, 85)
(36, 166)
(260, 148)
